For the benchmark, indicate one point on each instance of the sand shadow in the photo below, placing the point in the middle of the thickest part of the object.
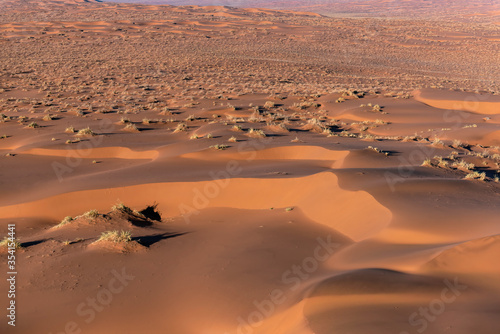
(32, 243)
(149, 240)
(151, 212)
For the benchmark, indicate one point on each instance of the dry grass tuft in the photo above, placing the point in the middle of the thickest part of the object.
(86, 132)
(5, 242)
(116, 236)
(65, 221)
(256, 133)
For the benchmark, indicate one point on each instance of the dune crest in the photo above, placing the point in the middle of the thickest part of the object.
(320, 198)
(96, 153)
(476, 103)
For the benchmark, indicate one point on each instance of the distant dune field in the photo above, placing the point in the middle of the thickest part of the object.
(427, 9)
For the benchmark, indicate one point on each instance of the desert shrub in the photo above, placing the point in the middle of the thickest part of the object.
(409, 138)
(4, 243)
(427, 163)
(180, 127)
(269, 104)
(86, 132)
(461, 164)
(116, 236)
(457, 143)
(66, 220)
(476, 176)
(256, 133)
(437, 142)
(120, 207)
(131, 127)
(91, 214)
(219, 147)
(237, 128)
(376, 149)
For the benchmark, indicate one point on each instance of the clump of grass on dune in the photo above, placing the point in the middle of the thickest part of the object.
(427, 163)
(65, 221)
(256, 133)
(131, 127)
(437, 142)
(4, 243)
(122, 208)
(70, 129)
(116, 236)
(376, 149)
(180, 127)
(237, 128)
(86, 132)
(269, 104)
(219, 147)
(463, 165)
(91, 214)
(33, 125)
(476, 176)
(124, 120)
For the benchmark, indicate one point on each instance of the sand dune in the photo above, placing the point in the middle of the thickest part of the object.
(415, 227)
(97, 153)
(295, 152)
(315, 190)
(482, 104)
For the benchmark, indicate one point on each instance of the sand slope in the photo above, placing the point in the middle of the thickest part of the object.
(278, 234)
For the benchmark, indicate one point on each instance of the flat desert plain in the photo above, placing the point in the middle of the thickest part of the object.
(220, 170)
